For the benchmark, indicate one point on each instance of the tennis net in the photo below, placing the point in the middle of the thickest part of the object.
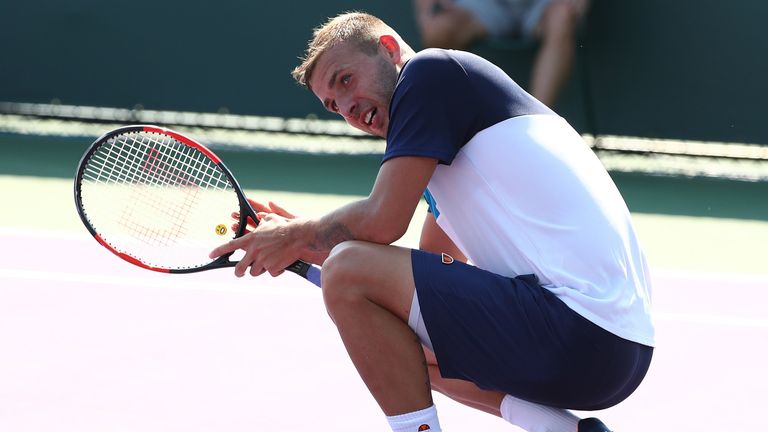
(736, 161)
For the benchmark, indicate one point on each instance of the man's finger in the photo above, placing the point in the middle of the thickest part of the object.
(242, 266)
(251, 223)
(257, 206)
(255, 271)
(226, 248)
(281, 211)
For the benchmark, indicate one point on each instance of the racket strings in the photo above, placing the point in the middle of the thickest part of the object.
(165, 180)
(161, 164)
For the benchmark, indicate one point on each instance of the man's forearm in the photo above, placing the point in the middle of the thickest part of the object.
(329, 234)
(354, 221)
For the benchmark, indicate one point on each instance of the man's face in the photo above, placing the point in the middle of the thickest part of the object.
(357, 86)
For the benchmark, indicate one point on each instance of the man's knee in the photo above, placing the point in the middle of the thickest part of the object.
(348, 274)
(357, 272)
(340, 267)
(340, 295)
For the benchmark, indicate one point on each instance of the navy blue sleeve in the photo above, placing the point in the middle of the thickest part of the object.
(424, 116)
(443, 98)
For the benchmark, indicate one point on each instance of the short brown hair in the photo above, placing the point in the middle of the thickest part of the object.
(359, 28)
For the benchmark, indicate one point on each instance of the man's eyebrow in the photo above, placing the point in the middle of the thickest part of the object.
(333, 79)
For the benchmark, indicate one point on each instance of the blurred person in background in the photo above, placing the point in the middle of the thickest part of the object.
(457, 24)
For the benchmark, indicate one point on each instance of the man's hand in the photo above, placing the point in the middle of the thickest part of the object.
(270, 246)
(261, 211)
(272, 220)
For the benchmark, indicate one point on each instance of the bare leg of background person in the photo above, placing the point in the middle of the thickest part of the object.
(554, 61)
(443, 25)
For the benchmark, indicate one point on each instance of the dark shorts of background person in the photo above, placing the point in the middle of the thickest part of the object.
(513, 336)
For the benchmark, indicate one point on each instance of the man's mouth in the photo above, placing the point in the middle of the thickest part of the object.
(369, 117)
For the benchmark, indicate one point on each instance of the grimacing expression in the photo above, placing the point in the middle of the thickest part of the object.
(357, 86)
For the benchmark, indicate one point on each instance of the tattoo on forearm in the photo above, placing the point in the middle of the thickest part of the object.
(334, 234)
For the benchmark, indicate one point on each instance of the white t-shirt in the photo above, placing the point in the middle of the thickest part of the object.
(518, 190)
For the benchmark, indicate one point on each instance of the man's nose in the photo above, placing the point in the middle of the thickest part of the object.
(347, 108)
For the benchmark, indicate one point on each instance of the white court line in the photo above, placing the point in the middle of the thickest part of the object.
(43, 233)
(656, 272)
(273, 287)
(260, 288)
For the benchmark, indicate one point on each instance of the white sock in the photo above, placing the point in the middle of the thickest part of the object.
(417, 421)
(537, 418)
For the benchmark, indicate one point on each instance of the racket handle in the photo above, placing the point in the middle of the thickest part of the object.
(313, 274)
(306, 270)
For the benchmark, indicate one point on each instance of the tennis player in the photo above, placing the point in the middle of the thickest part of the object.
(552, 314)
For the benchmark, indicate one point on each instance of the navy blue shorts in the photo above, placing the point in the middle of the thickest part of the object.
(513, 336)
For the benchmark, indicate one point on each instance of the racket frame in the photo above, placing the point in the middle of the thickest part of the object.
(299, 267)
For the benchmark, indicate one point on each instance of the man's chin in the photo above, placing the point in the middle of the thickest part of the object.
(374, 132)
(380, 132)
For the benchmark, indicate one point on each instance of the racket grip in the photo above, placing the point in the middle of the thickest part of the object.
(313, 274)
(306, 270)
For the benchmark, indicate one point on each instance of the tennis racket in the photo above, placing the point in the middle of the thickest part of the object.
(162, 201)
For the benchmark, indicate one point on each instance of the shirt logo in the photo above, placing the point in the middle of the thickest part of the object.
(447, 259)
(423, 427)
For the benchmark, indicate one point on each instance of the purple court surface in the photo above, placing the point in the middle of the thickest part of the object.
(89, 343)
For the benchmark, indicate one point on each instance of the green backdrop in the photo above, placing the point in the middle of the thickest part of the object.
(692, 69)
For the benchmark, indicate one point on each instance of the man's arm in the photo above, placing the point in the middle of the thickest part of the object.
(382, 217)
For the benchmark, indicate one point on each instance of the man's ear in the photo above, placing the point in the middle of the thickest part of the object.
(391, 46)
